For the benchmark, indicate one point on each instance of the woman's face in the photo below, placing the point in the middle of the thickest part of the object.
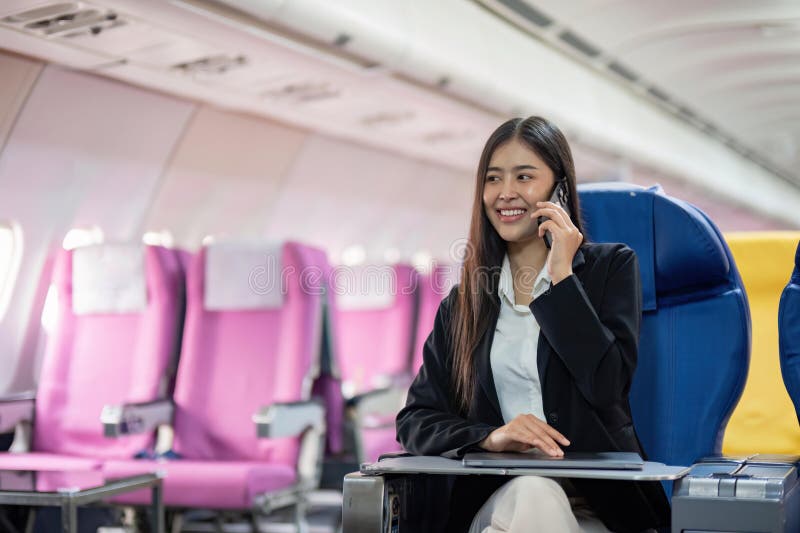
(515, 180)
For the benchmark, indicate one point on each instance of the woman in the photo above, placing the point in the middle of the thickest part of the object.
(535, 348)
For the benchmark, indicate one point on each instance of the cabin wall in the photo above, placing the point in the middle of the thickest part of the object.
(82, 151)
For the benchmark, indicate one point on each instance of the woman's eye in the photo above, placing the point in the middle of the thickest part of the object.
(525, 177)
(492, 178)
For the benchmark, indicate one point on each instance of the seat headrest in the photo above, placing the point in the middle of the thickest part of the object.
(243, 275)
(678, 247)
(109, 278)
(372, 287)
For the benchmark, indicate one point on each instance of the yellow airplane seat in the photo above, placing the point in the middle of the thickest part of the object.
(764, 421)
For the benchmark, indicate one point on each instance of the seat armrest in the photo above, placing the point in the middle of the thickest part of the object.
(15, 409)
(377, 408)
(289, 419)
(134, 418)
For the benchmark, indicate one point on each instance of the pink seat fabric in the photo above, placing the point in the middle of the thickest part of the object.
(433, 289)
(233, 362)
(378, 441)
(49, 481)
(205, 484)
(375, 345)
(47, 461)
(95, 359)
(328, 386)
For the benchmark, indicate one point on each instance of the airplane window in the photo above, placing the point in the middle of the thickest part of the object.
(74, 238)
(82, 237)
(50, 310)
(10, 256)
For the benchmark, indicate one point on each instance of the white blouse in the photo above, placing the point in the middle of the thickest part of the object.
(514, 350)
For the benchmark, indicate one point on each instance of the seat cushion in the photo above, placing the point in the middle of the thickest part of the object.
(204, 484)
(46, 461)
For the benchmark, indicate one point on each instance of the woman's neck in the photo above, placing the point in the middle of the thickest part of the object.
(522, 257)
(529, 254)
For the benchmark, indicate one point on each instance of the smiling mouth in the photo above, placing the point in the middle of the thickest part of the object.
(510, 215)
(511, 212)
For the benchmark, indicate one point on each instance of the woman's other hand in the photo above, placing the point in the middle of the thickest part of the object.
(523, 433)
(566, 238)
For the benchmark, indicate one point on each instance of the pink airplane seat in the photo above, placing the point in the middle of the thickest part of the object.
(376, 309)
(250, 354)
(119, 314)
(328, 384)
(433, 286)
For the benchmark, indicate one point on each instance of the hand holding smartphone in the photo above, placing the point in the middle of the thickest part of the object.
(558, 197)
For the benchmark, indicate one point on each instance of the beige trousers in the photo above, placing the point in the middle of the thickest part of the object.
(534, 503)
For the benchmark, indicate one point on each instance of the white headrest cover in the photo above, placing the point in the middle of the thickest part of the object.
(108, 278)
(365, 287)
(242, 275)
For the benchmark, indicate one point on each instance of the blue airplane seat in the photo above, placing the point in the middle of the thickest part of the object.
(789, 334)
(694, 345)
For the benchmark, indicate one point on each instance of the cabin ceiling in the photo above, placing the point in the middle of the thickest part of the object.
(202, 54)
(732, 66)
(399, 76)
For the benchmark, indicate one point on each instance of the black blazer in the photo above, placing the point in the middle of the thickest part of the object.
(587, 351)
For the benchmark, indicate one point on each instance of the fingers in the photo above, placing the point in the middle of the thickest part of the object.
(542, 438)
(548, 225)
(550, 209)
(549, 430)
(544, 442)
(553, 432)
(552, 205)
(551, 214)
(536, 439)
(553, 227)
(524, 432)
(545, 432)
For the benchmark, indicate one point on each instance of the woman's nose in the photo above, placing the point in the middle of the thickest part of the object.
(508, 192)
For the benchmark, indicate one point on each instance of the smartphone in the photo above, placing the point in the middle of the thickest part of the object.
(559, 197)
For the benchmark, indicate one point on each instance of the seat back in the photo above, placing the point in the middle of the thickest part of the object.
(695, 335)
(433, 287)
(328, 385)
(376, 314)
(789, 334)
(119, 313)
(764, 420)
(375, 324)
(252, 337)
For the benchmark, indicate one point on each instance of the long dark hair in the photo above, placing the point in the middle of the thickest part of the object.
(485, 248)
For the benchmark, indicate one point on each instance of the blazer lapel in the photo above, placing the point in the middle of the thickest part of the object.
(578, 261)
(483, 361)
(543, 349)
